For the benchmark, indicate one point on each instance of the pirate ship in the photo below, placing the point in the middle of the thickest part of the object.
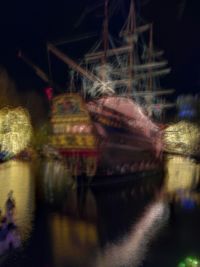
(120, 95)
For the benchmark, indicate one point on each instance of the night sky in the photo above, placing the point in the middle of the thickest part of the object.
(28, 25)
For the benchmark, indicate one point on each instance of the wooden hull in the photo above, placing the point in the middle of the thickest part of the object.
(111, 136)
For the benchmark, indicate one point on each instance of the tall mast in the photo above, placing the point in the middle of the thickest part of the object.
(132, 19)
(150, 56)
(105, 30)
(150, 78)
(71, 63)
(127, 32)
(105, 42)
(130, 31)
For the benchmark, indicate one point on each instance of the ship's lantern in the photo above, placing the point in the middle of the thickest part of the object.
(49, 93)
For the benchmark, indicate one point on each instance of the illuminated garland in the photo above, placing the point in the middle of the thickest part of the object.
(15, 130)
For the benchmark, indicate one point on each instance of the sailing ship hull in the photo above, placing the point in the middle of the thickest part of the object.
(98, 139)
(128, 141)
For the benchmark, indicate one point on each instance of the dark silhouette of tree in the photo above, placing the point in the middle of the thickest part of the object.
(37, 107)
(8, 93)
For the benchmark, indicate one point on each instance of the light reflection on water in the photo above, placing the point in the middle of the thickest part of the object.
(131, 249)
(92, 227)
(73, 241)
(17, 176)
(181, 173)
(55, 180)
(72, 222)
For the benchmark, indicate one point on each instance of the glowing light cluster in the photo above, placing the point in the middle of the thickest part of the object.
(72, 128)
(182, 137)
(103, 86)
(189, 262)
(73, 141)
(15, 129)
(68, 133)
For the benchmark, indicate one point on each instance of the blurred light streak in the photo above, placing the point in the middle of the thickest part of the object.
(131, 250)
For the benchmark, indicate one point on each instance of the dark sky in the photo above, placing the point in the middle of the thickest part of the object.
(28, 25)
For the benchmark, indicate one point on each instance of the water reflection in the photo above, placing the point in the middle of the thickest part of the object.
(79, 220)
(181, 174)
(109, 226)
(182, 182)
(17, 176)
(73, 241)
(62, 193)
(71, 218)
(56, 180)
(131, 249)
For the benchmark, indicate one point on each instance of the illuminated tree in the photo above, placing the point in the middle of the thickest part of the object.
(15, 130)
(182, 137)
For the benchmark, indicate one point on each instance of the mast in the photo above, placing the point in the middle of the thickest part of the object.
(40, 73)
(71, 63)
(150, 56)
(150, 80)
(110, 52)
(127, 73)
(105, 42)
(85, 73)
(132, 21)
(105, 31)
(128, 33)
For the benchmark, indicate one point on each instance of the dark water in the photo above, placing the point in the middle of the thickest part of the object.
(62, 225)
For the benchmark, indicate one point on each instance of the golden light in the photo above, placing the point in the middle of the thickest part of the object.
(181, 173)
(71, 237)
(73, 134)
(132, 248)
(15, 129)
(182, 137)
